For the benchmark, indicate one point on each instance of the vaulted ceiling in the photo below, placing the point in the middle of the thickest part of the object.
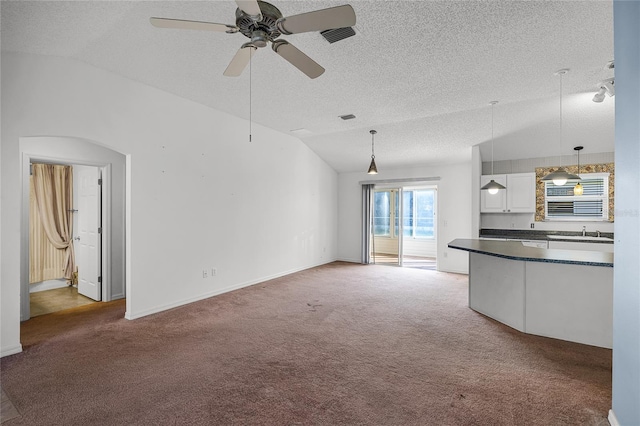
(421, 73)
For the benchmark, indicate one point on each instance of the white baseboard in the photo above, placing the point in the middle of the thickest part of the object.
(350, 260)
(11, 350)
(455, 271)
(613, 420)
(133, 316)
(47, 285)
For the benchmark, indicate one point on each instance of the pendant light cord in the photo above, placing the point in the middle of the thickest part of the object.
(561, 77)
(492, 105)
(250, 97)
(372, 152)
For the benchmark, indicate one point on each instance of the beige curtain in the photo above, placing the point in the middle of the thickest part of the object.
(45, 261)
(53, 190)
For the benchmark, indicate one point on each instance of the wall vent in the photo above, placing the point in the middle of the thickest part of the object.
(348, 117)
(337, 34)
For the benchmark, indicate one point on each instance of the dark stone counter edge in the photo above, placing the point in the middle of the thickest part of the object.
(529, 259)
(526, 234)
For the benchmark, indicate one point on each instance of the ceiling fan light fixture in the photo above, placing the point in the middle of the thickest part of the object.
(373, 169)
(263, 23)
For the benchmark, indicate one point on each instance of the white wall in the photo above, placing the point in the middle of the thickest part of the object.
(200, 195)
(453, 216)
(626, 285)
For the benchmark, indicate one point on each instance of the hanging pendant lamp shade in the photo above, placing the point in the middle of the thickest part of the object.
(578, 189)
(492, 187)
(560, 176)
(373, 169)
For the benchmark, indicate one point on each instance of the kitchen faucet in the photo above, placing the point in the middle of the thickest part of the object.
(584, 231)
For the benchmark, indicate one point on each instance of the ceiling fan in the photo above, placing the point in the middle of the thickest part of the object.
(262, 23)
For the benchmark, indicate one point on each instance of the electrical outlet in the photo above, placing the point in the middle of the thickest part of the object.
(205, 274)
(533, 225)
(214, 272)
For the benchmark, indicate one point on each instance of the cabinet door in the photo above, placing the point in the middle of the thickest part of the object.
(493, 203)
(521, 193)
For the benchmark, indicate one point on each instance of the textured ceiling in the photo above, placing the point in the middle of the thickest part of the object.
(419, 72)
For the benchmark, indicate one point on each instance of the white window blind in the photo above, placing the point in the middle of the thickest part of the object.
(561, 203)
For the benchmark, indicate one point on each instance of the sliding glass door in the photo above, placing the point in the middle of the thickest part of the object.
(419, 206)
(404, 227)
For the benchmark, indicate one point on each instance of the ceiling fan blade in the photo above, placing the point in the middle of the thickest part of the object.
(298, 59)
(251, 8)
(192, 25)
(319, 20)
(240, 60)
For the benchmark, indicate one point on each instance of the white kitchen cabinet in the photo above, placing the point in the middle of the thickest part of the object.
(493, 203)
(518, 197)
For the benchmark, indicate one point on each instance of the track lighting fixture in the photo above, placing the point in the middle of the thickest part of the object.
(560, 176)
(605, 87)
(492, 187)
(373, 170)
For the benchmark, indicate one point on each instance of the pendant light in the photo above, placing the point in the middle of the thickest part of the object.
(492, 187)
(578, 189)
(560, 176)
(373, 170)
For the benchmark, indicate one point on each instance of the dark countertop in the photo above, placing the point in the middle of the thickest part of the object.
(516, 251)
(527, 234)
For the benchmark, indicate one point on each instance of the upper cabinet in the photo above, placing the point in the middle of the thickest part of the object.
(518, 197)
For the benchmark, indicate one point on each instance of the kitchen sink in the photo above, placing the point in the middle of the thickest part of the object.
(578, 238)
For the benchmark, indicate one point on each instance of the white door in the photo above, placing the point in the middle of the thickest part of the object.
(89, 223)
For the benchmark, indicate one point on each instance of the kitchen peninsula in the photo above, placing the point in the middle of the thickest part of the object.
(564, 294)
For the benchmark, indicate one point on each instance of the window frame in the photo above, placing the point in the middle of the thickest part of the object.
(604, 197)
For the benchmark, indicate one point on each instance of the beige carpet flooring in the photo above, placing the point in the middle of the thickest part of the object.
(341, 344)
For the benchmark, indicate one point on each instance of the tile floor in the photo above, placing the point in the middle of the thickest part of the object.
(48, 301)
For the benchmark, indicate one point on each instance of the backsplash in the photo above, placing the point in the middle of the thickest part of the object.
(587, 168)
(524, 221)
